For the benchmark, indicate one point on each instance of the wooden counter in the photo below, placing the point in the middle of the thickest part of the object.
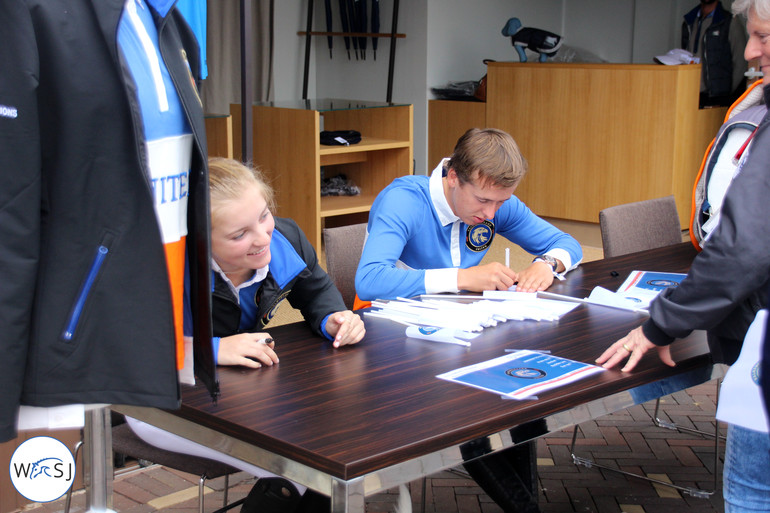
(598, 135)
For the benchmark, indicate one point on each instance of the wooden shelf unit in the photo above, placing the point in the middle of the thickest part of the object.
(288, 150)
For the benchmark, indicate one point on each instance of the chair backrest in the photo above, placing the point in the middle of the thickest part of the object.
(343, 246)
(638, 226)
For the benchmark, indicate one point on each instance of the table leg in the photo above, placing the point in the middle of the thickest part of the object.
(97, 460)
(348, 497)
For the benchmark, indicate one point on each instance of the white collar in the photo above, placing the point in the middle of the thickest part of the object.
(259, 275)
(437, 196)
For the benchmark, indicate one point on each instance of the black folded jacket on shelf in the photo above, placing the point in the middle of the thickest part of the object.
(340, 137)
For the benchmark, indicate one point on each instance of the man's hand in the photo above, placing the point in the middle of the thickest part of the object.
(346, 328)
(538, 276)
(247, 349)
(493, 276)
(633, 346)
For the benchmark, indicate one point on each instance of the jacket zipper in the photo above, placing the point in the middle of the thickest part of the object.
(77, 309)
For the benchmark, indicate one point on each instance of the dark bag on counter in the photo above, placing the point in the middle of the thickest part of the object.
(340, 137)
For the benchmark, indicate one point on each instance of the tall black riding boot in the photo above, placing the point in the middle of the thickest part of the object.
(271, 495)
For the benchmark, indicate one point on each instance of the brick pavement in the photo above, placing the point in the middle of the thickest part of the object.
(626, 440)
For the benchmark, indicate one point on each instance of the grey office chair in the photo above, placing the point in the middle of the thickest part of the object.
(126, 443)
(343, 246)
(638, 226)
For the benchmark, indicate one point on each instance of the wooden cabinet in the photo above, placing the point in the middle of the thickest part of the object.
(219, 136)
(447, 121)
(287, 148)
(595, 135)
(598, 135)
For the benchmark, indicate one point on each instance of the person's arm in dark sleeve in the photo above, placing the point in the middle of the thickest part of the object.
(314, 293)
(734, 263)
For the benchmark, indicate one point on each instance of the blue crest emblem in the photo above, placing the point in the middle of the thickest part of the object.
(427, 330)
(479, 236)
(755, 374)
(525, 373)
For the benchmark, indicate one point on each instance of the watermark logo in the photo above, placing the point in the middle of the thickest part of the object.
(42, 469)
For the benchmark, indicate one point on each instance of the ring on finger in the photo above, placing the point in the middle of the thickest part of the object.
(628, 348)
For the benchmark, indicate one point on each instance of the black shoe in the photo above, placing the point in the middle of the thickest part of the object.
(272, 495)
(314, 502)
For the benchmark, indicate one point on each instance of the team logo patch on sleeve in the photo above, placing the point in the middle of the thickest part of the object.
(479, 236)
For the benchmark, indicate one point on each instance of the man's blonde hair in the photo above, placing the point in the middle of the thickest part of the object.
(491, 153)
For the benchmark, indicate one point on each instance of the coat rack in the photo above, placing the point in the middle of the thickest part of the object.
(393, 35)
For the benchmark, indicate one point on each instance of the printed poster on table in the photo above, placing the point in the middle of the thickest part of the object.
(521, 374)
(641, 287)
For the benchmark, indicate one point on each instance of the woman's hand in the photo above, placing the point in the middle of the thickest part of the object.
(247, 349)
(346, 328)
(633, 346)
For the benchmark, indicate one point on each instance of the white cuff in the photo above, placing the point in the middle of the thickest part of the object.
(441, 280)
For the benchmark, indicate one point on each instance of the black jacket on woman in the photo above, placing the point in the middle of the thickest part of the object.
(728, 281)
(73, 178)
(294, 274)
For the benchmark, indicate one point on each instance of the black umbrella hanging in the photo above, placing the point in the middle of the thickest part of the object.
(375, 25)
(345, 25)
(329, 25)
(353, 20)
(362, 24)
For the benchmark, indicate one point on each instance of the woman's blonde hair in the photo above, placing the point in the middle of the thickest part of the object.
(228, 178)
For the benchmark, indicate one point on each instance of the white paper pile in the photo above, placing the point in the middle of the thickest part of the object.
(472, 316)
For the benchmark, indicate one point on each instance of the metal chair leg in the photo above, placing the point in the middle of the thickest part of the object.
(675, 427)
(227, 489)
(695, 492)
(201, 485)
(424, 490)
(68, 502)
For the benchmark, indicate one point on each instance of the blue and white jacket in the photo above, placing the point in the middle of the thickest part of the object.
(79, 235)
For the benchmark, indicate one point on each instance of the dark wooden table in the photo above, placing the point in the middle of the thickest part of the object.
(354, 421)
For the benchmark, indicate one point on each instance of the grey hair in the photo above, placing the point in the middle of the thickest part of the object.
(760, 7)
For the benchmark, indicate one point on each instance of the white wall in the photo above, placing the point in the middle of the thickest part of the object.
(338, 77)
(462, 34)
(289, 52)
(447, 40)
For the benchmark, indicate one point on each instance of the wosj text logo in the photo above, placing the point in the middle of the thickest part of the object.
(42, 469)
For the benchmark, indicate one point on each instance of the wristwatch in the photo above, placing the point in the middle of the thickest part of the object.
(548, 259)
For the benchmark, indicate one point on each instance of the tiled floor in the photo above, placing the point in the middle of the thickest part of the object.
(627, 440)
